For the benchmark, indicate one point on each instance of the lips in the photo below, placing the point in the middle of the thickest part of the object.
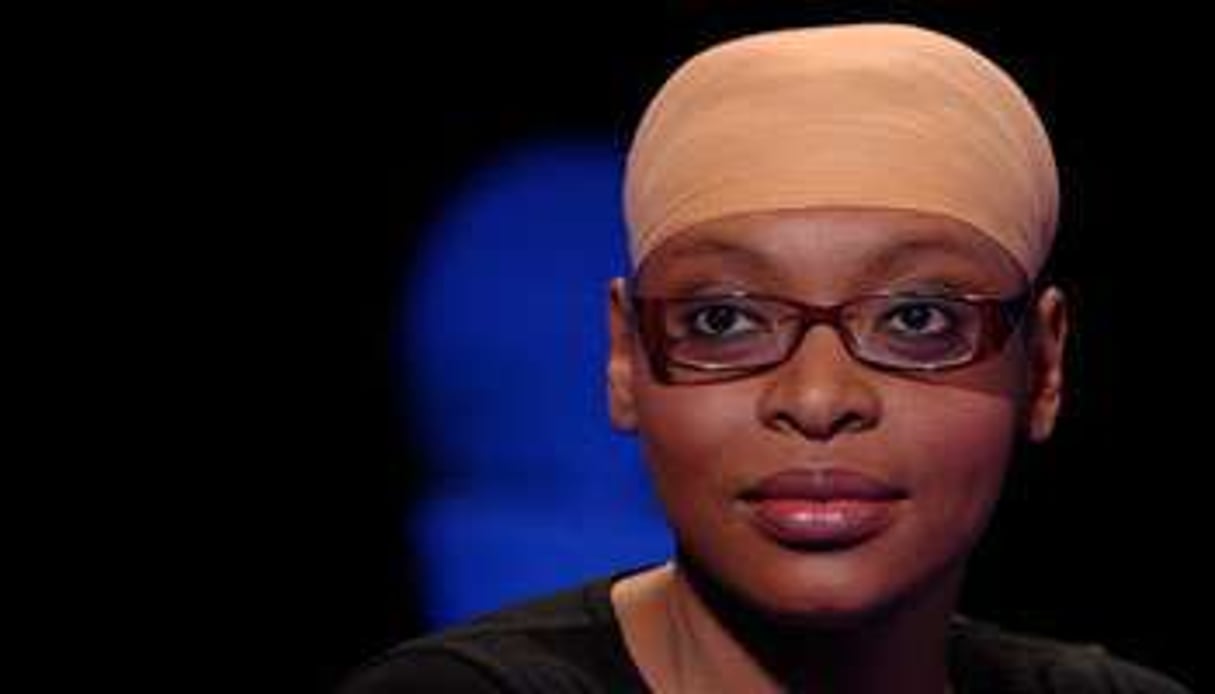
(823, 484)
(822, 508)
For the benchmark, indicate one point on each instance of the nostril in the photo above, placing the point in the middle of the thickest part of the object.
(850, 421)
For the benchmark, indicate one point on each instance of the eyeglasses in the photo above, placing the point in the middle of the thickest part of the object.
(721, 337)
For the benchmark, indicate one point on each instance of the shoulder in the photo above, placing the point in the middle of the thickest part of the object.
(563, 642)
(986, 657)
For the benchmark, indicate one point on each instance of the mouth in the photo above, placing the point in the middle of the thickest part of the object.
(822, 508)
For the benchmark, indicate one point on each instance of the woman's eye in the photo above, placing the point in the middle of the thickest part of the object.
(720, 320)
(920, 318)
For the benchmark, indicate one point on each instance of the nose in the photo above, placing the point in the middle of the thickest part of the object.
(820, 391)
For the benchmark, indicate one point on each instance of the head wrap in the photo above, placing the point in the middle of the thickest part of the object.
(870, 115)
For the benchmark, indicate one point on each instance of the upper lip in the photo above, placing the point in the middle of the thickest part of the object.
(823, 484)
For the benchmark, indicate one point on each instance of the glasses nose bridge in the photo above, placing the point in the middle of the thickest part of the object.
(810, 315)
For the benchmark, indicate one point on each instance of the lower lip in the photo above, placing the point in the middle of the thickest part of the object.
(822, 524)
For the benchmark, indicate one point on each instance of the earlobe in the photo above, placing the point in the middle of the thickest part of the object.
(621, 406)
(1048, 350)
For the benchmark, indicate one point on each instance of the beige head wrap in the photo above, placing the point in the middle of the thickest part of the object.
(874, 115)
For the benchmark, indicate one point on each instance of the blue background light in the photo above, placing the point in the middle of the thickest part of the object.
(504, 337)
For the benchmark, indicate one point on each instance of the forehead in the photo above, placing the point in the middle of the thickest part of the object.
(833, 250)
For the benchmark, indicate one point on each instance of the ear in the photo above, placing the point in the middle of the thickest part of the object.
(620, 365)
(1047, 349)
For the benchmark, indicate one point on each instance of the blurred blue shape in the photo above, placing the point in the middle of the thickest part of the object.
(504, 337)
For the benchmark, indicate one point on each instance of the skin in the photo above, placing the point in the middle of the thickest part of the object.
(738, 611)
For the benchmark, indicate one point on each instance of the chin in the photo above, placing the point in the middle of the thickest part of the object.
(822, 604)
(828, 590)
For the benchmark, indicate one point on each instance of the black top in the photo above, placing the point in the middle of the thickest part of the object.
(570, 642)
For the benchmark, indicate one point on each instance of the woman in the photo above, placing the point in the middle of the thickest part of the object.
(834, 336)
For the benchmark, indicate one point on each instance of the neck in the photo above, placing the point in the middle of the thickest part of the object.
(708, 641)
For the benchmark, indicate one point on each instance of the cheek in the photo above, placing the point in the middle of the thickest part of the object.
(698, 442)
(957, 446)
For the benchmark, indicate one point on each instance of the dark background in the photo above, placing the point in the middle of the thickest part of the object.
(270, 173)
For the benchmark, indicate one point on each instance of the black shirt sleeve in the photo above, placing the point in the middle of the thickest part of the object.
(423, 671)
(1099, 671)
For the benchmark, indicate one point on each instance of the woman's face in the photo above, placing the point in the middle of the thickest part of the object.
(942, 440)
